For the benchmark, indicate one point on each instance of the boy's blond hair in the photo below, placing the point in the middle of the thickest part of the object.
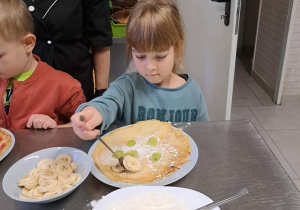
(15, 20)
(155, 26)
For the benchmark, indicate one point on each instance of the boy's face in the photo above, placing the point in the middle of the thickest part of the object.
(13, 58)
(156, 67)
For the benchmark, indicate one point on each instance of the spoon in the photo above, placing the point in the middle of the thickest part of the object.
(241, 193)
(120, 159)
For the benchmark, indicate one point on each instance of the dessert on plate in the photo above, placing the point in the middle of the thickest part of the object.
(158, 150)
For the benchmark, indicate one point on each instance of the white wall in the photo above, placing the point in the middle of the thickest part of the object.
(291, 85)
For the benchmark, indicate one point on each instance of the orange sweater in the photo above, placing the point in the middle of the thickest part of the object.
(47, 91)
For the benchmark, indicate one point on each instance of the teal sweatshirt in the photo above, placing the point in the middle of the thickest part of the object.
(131, 98)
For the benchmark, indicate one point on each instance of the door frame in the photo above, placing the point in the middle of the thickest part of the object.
(285, 53)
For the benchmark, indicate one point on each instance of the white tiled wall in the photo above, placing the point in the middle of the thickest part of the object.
(292, 75)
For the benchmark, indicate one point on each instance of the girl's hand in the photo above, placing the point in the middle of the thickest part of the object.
(85, 121)
(40, 121)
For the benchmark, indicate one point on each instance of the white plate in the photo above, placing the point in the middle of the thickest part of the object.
(184, 169)
(186, 197)
(29, 162)
(11, 145)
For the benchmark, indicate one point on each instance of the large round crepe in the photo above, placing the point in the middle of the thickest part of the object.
(173, 145)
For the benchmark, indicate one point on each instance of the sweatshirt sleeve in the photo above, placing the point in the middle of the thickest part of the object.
(110, 104)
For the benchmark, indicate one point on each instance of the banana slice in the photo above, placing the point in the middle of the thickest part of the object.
(66, 180)
(53, 165)
(132, 164)
(77, 178)
(65, 157)
(31, 185)
(117, 168)
(24, 192)
(45, 163)
(47, 185)
(54, 191)
(65, 187)
(30, 193)
(41, 180)
(74, 166)
(64, 169)
(48, 173)
(34, 172)
(26, 179)
(37, 194)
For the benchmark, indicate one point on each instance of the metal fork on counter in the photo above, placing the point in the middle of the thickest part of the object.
(214, 204)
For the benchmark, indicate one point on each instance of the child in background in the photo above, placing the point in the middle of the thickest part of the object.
(34, 95)
(155, 41)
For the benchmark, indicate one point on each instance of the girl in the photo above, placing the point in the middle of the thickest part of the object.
(155, 41)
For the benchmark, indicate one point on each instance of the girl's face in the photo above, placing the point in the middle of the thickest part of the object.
(156, 67)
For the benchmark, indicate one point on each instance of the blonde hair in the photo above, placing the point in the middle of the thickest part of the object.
(15, 20)
(155, 26)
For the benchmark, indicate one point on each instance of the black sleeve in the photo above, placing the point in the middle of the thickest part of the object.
(96, 25)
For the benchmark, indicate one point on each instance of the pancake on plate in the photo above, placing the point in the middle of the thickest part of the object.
(5, 141)
(160, 148)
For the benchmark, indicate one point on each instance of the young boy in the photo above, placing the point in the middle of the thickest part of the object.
(155, 41)
(34, 95)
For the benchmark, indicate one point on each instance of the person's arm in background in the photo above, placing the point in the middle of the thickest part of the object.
(101, 59)
(97, 30)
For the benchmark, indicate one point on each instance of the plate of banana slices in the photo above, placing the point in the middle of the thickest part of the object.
(47, 175)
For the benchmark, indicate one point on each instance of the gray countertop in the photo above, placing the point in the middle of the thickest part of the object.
(232, 155)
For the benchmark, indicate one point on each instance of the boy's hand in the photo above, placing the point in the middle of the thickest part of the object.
(40, 121)
(85, 121)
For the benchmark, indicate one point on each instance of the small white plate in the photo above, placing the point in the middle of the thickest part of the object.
(186, 197)
(178, 174)
(29, 162)
(11, 145)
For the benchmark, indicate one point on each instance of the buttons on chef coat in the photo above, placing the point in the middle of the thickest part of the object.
(31, 8)
(49, 42)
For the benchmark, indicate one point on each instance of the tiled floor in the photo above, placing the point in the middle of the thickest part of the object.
(279, 125)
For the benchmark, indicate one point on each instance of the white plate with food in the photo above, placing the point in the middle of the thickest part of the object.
(154, 198)
(178, 173)
(46, 175)
(7, 142)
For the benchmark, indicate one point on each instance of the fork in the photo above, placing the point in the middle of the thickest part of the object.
(120, 159)
(239, 194)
